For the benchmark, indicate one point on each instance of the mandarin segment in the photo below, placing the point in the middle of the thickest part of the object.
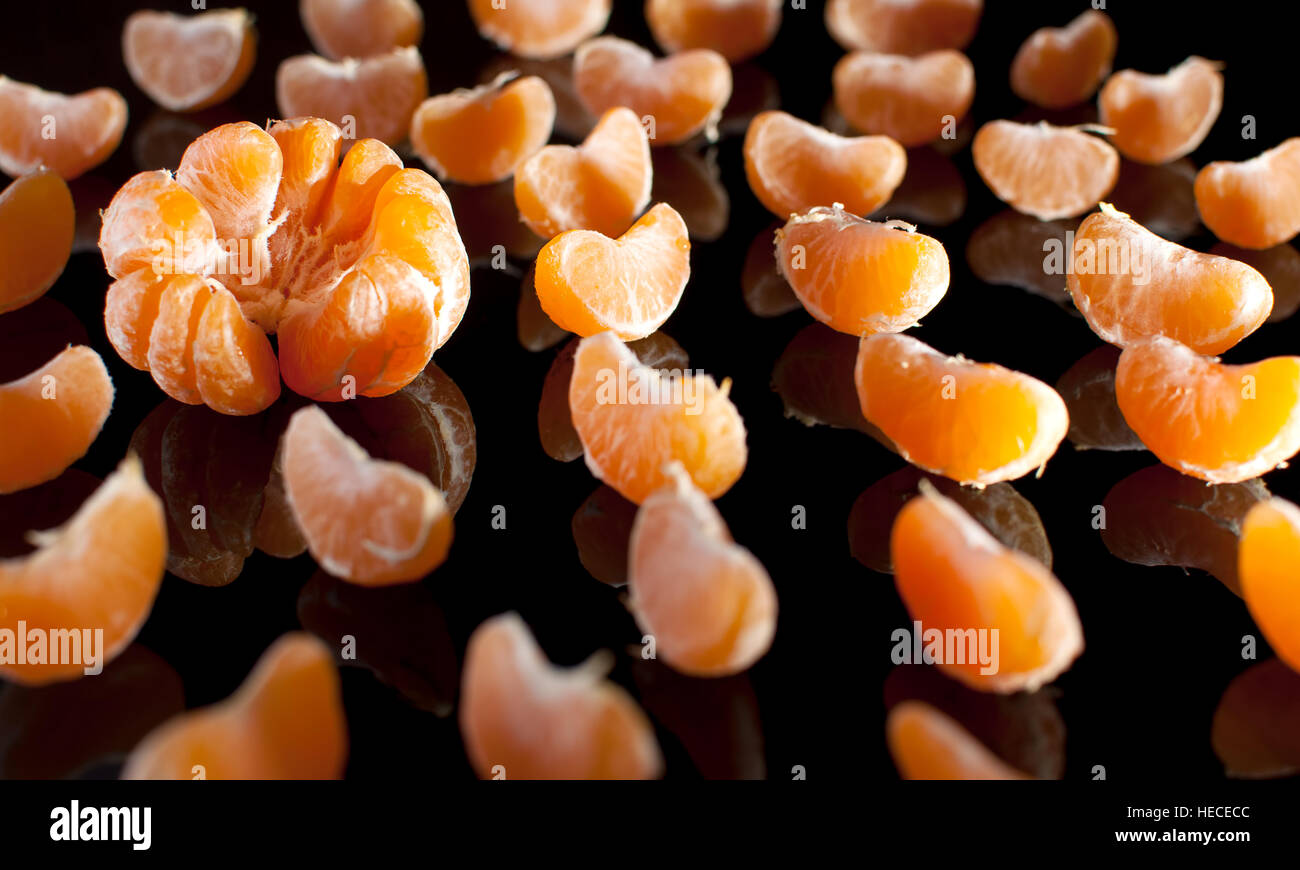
(361, 28)
(1217, 422)
(186, 63)
(929, 745)
(87, 128)
(976, 423)
(1256, 723)
(1268, 556)
(1159, 118)
(540, 29)
(735, 29)
(1256, 203)
(676, 96)
(523, 718)
(100, 571)
(372, 98)
(913, 100)
(1058, 67)
(285, 721)
(858, 276)
(903, 26)
(953, 576)
(37, 227)
(707, 602)
(1045, 171)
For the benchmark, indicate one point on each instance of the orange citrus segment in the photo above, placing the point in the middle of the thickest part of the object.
(284, 722)
(1159, 118)
(37, 225)
(186, 63)
(601, 185)
(929, 745)
(1045, 171)
(523, 718)
(1256, 723)
(977, 423)
(51, 417)
(361, 28)
(1058, 67)
(903, 26)
(735, 29)
(1256, 203)
(676, 96)
(371, 98)
(858, 276)
(372, 522)
(707, 602)
(99, 571)
(481, 136)
(914, 100)
(954, 576)
(793, 166)
(632, 419)
(540, 29)
(588, 283)
(1268, 556)
(69, 133)
(1220, 423)
(1131, 284)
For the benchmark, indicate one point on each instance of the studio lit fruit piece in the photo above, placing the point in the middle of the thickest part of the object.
(1256, 203)
(929, 745)
(903, 26)
(284, 722)
(1130, 284)
(481, 136)
(858, 276)
(49, 419)
(37, 225)
(361, 28)
(913, 100)
(1269, 561)
(600, 185)
(1059, 67)
(793, 166)
(735, 29)
(372, 522)
(68, 133)
(1045, 171)
(954, 576)
(709, 604)
(100, 570)
(358, 267)
(523, 718)
(1220, 423)
(1159, 118)
(976, 423)
(632, 419)
(371, 98)
(189, 62)
(676, 97)
(589, 283)
(540, 29)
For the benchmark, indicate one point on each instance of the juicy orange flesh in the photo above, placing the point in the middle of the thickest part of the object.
(351, 29)
(1045, 171)
(540, 29)
(928, 745)
(736, 30)
(909, 99)
(187, 63)
(37, 223)
(1059, 67)
(1254, 203)
(1157, 119)
(89, 127)
(1269, 553)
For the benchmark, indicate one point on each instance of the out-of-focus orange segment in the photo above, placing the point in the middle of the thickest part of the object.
(735, 29)
(481, 136)
(858, 276)
(588, 283)
(930, 745)
(954, 576)
(1256, 730)
(284, 722)
(69, 133)
(361, 28)
(371, 98)
(1269, 562)
(1042, 170)
(1159, 118)
(372, 522)
(51, 417)
(914, 100)
(601, 185)
(1220, 423)
(632, 419)
(1256, 203)
(1130, 284)
(523, 718)
(189, 62)
(37, 225)
(707, 601)
(676, 97)
(99, 571)
(903, 26)
(977, 423)
(793, 166)
(540, 29)
(1058, 67)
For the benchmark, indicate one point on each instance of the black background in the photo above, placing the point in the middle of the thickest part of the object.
(1161, 643)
